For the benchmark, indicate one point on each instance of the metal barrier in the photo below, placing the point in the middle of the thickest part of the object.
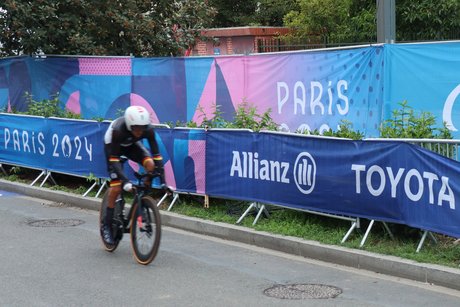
(445, 147)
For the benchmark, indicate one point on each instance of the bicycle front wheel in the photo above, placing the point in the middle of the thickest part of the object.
(145, 231)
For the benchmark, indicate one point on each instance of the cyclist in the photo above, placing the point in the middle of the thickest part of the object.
(124, 138)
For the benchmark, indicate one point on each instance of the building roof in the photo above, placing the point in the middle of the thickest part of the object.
(245, 31)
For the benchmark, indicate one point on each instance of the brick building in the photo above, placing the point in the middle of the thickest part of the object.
(237, 40)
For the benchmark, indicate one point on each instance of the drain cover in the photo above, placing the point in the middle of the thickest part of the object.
(303, 291)
(56, 223)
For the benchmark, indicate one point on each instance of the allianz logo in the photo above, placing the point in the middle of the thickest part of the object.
(250, 166)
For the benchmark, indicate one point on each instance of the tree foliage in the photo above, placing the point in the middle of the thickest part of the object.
(272, 12)
(355, 20)
(251, 12)
(233, 13)
(339, 20)
(427, 19)
(101, 27)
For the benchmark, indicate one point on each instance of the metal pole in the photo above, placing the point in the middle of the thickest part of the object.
(386, 21)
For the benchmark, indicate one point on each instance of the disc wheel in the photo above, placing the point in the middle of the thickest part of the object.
(146, 231)
(102, 214)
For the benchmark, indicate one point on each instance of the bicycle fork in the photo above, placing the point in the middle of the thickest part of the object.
(139, 221)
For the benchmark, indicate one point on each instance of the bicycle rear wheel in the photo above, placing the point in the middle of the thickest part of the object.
(145, 231)
(115, 230)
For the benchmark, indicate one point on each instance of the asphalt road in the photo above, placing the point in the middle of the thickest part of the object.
(66, 266)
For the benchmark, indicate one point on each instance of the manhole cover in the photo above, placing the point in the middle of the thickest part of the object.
(55, 223)
(302, 291)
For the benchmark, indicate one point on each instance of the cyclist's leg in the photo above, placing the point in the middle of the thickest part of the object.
(113, 192)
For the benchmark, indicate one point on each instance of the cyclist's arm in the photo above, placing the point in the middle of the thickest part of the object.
(157, 158)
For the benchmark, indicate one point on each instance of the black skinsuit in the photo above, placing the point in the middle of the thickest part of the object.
(119, 141)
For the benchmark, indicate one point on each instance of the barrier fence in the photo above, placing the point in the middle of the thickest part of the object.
(377, 179)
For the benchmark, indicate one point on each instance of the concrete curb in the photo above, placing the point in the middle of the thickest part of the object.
(389, 265)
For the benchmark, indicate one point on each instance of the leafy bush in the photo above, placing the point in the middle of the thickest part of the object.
(48, 107)
(246, 117)
(345, 131)
(405, 123)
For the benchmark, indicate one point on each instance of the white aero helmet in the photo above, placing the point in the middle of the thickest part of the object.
(136, 116)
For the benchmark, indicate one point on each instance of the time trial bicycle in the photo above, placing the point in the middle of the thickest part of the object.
(141, 220)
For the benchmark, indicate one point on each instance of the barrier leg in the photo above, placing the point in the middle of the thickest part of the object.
(90, 189)
(388, 230)
(422, 240)
(162, 199)
(368, 230)
(52, 179)
(354, 225)
(246, 212)
(262, 209)
(432, 238)
(96, 182)
(48, 176)
(39, 176)
(101, 188)
(175, 198)
(3, 170)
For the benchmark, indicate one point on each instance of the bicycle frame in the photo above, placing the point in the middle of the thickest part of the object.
(139, 192)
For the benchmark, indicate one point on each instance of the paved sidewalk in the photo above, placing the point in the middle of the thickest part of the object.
(395, 266)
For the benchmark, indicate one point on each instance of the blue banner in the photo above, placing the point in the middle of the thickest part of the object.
(183, 151)
(23, 140)
(67, 146)
(427, 77)
(76, 147)
(189, 159)
(352, 178)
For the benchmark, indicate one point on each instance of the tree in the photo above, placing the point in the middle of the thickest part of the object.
(101, 27)
(251, 12)
(363, 21)
(355, 20)
(338, 20)
(271, 12)
(319, 16)
(233, 13)
(427, 19)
